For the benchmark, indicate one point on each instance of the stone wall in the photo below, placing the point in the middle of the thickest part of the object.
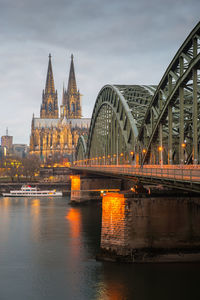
(150, 229)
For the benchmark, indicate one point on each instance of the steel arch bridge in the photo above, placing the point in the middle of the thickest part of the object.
(139, 124)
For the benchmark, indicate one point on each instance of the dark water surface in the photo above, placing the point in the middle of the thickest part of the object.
(47, 251)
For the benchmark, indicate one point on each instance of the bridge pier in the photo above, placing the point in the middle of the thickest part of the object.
(150, 229)
(88, 188)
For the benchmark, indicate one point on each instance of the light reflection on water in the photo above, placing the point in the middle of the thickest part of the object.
(47, 251)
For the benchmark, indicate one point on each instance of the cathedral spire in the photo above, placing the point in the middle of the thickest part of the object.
(71, 104)
(49, 88)
(63, 95)
(72, 88)
(49, 107)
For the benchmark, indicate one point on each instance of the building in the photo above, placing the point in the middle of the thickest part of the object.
(53, 135)
(7, 142)
(3, 152)
(20, 150)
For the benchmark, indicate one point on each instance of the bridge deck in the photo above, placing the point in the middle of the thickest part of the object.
(183, 177)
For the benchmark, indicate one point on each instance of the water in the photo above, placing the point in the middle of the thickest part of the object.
(47, 251)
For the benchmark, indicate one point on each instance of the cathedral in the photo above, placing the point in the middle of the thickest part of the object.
(54, 133)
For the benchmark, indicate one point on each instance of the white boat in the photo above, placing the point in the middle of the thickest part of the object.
(28, 191)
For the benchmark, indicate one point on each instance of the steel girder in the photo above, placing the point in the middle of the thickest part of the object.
(171, 136)
(116, 120)
(149, 124)
(81, 148)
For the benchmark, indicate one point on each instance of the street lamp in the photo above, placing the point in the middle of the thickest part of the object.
(183, 145)
(121, 155)
(143, 151)
(160, 149)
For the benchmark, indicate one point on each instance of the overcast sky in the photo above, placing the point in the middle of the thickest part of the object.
(113, 42)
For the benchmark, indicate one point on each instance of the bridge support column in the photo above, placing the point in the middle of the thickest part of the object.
(195, 119)
(181, 118)
(150, 229)
(88, 188)
(195, 108)
(170, 121)
(170, 160)
(160, 148)
(181, 126)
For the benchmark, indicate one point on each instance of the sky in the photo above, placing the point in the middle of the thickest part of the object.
(113, 42)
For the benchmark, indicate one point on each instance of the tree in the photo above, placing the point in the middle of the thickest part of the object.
(31, 166)
(13, 167)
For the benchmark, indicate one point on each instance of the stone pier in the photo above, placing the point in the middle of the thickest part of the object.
(89, 188)
(150, 229)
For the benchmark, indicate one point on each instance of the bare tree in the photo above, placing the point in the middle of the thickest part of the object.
(13, 167)
(31, 166)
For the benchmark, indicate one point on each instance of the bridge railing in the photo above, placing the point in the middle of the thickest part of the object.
(175, 172)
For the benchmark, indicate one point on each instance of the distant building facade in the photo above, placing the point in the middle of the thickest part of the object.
(51, 134)
(20, 150)
(3, 152)
(7, 143)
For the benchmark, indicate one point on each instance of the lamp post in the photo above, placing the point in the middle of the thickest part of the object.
(160, 149)
(122, 155)
(143, 151)
(183, 145)
(131, 153)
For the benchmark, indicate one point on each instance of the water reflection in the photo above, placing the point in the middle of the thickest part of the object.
(57, 261)
(74, 218)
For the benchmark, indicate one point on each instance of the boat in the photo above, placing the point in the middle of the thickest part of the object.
(28, 191)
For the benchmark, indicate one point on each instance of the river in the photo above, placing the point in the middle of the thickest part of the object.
(48, 248)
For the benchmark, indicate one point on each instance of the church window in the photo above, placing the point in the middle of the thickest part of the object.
(50, 107)
(73, 107)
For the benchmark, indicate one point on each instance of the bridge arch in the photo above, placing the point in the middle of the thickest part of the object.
(115, 122)
(81, 148)
(171, 124)
(151, 124)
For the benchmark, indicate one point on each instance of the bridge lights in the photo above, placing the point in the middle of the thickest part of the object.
(183, 145)
(131, 153)
(144, 151)
(160, 149)
(121, 154)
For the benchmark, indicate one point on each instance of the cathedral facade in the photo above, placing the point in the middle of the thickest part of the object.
(54, 134)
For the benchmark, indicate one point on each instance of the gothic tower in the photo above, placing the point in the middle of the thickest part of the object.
(49, 107)
(71, 102)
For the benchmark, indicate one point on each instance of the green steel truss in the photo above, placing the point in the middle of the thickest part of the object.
(81, 148)
(141, 124)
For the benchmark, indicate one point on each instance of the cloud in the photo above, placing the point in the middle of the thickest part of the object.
(128, 42)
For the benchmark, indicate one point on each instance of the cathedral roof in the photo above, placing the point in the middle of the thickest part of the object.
(55, 123)
(80, 123)
(45, 123)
